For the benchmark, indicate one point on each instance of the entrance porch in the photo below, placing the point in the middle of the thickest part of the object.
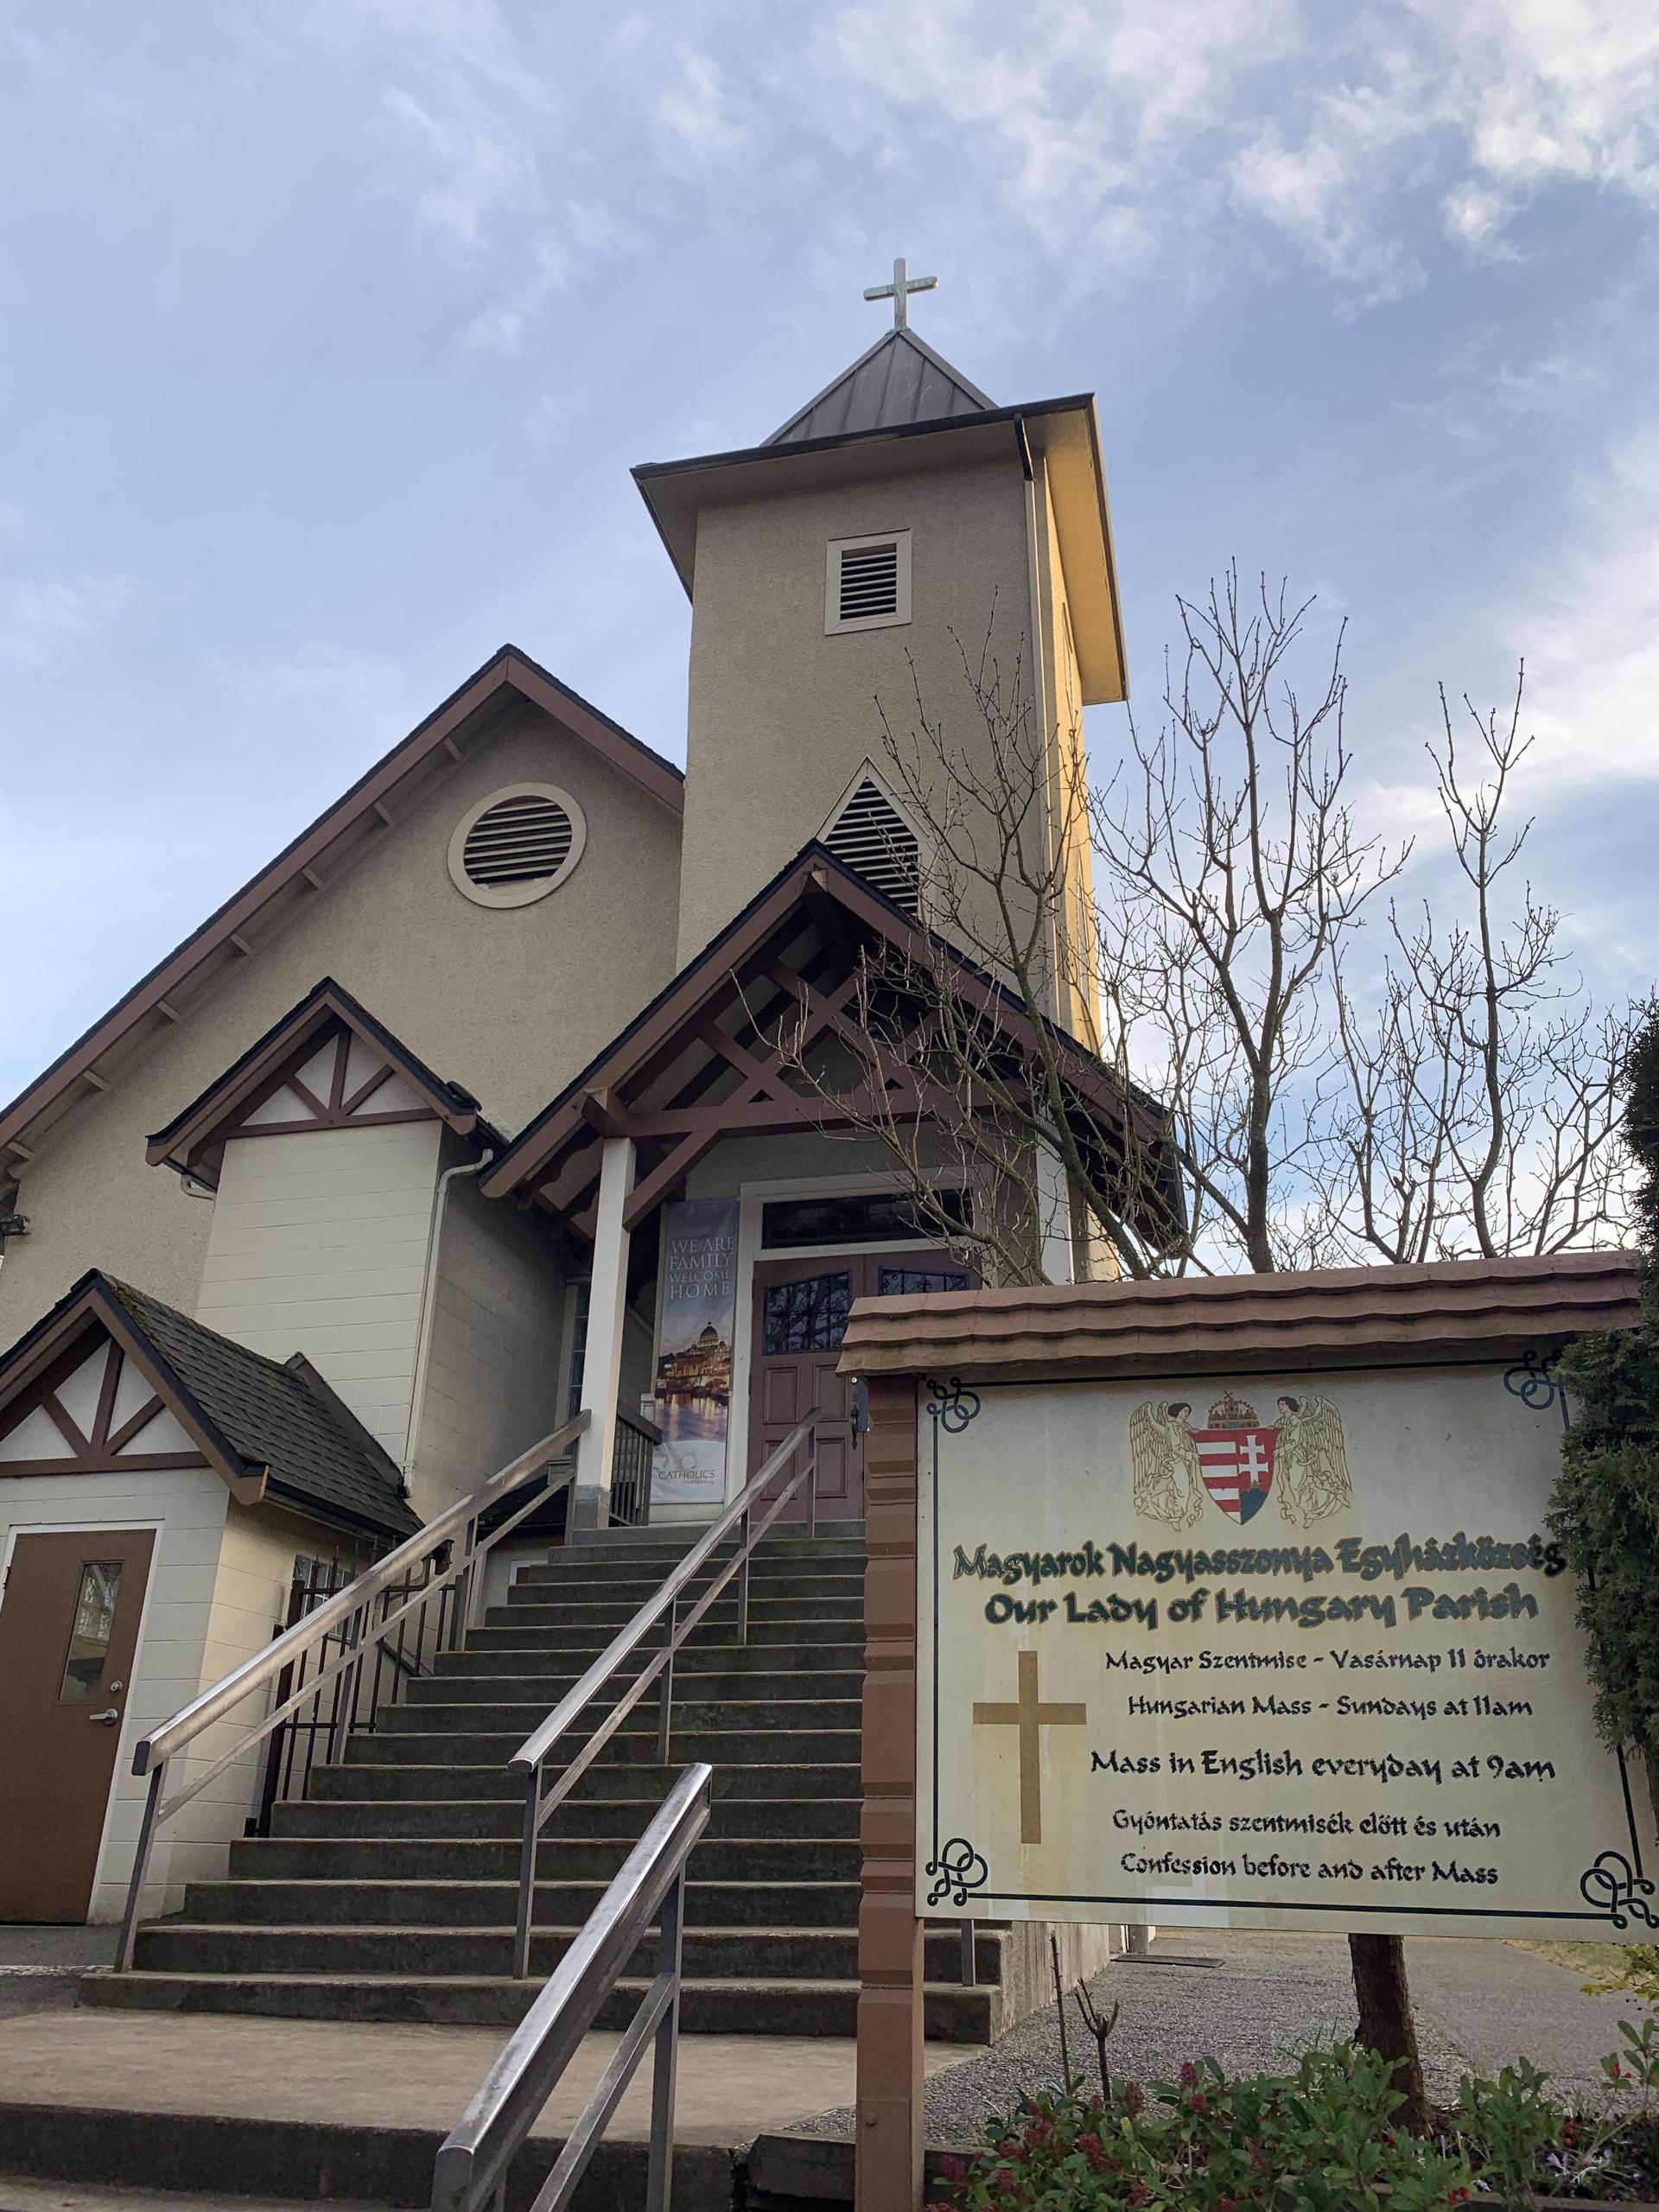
(743, 1163)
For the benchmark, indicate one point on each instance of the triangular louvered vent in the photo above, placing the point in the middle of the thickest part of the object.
(870, 836)
(520, 840)
(869, 582)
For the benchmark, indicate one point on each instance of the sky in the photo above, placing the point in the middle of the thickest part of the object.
(330, 329)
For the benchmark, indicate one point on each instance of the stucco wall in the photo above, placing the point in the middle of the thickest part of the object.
(249, 1601)
(781, 716)
(318, 1244)
(493, 1364)
(509, 1002)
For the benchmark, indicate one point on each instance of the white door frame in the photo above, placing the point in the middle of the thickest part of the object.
(128, 1523)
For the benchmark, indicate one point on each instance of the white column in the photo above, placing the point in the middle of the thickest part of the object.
(601, 1371)
(1054, 1202)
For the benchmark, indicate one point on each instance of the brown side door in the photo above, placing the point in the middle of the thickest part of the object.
(68, 1632)
(801, 1307)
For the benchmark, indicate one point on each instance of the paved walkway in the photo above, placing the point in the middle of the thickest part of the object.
(39, 1966)
(1254, 2000)
(730, 2088)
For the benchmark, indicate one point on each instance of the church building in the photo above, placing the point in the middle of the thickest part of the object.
(470, 1111)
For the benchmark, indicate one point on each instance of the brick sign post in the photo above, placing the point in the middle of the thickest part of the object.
(1225, 1603)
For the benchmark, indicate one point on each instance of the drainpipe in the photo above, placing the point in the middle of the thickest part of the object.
(429, 1302)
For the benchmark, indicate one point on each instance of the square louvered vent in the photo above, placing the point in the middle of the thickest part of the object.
(868, 582)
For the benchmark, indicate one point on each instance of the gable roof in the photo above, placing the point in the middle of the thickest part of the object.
(272, 1431)
(674, 1054)
(190, 1134)
(899, 379)
(169, 992)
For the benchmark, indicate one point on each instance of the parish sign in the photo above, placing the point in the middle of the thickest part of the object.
(1260, 1650)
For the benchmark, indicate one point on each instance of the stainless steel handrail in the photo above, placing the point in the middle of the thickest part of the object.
(664, 1606)
(349, 1614)
(472, 2165)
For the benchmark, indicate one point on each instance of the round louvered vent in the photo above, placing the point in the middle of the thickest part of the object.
(517, 845)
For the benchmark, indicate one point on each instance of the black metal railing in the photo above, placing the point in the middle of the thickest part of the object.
(632, 1457)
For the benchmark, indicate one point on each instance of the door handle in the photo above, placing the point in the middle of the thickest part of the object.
(104, 1719)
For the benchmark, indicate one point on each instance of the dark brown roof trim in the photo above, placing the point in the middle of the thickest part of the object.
(326, 1002)
(814, 869)
(507, 670)
(649, 471)
(1343, 1317)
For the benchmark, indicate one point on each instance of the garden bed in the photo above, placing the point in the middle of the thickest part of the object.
(1324, 2137)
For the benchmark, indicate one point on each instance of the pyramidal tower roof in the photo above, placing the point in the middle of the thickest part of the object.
(900, 380)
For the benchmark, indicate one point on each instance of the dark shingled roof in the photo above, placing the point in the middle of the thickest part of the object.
(273, 1415)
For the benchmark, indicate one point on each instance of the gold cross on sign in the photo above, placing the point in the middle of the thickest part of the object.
(1029, 1716)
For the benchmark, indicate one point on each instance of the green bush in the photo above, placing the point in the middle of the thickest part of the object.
(1324, 2139)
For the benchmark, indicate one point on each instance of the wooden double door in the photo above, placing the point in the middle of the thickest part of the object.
(801, 1308)
(69, 1623)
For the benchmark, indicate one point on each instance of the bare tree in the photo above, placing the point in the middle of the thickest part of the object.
(1480, 1112)
(1464, 1104)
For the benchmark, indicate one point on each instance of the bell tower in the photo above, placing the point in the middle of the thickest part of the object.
(840, 571)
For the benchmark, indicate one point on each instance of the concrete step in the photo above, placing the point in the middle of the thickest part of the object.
(515, 1717)
(768, 1576)
(702, 1679)
(820, 2008)
(253, 1902)
(775, 1820)
(534, 1660)
(517, 1631)
(726, 1953)
(543, 1610)
(719, 1747)
(575, 1859)
(606, 1778)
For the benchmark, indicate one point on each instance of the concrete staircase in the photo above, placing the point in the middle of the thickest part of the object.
(389, 1893)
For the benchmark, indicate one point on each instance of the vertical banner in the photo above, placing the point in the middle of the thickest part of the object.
(694, 1361)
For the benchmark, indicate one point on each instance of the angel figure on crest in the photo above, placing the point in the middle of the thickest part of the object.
(1311, 1462)
(1164, 1460)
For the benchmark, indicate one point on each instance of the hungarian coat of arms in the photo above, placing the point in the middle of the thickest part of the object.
(1237, 1460)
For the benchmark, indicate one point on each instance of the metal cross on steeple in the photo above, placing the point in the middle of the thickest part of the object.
(897, 290)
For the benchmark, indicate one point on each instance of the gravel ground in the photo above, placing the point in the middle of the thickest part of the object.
(1252, 2000)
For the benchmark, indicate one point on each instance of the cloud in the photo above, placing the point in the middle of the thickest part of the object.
(39, 616)
(1365, 141)
(1589, 627)
(693, 120)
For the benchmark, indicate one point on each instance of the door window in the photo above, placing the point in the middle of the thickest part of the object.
(896, 1282)
(807, 1316)
(89, 1637)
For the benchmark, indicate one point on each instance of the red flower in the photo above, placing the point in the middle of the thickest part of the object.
(954, 2169)
(1133, 2097)
(1200, 2104)
(1189, 2074)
